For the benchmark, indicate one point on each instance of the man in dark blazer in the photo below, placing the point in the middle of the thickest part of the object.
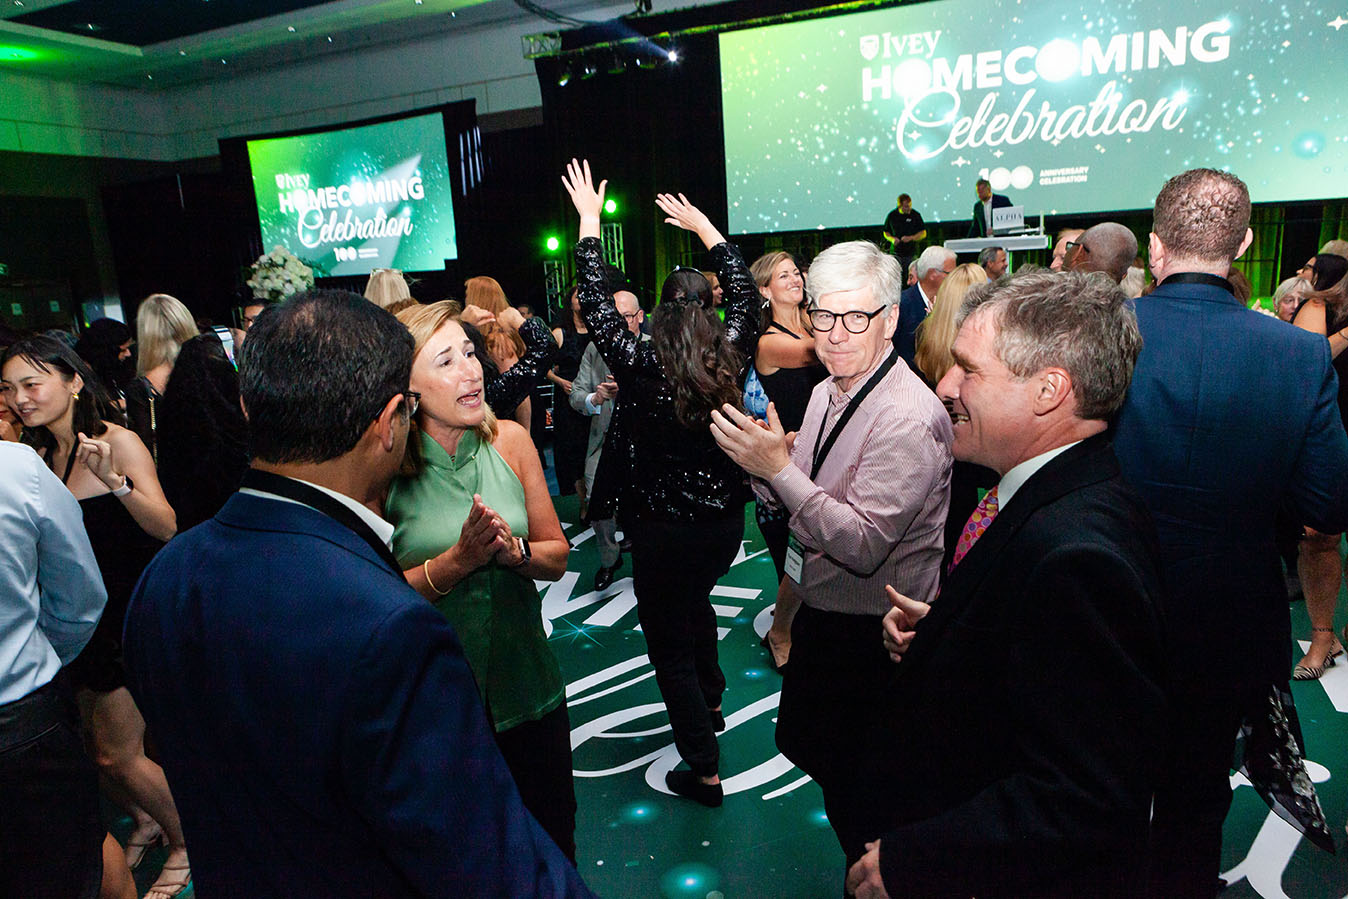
(1020, 734)
(316, 717)
(915, 302)
(980, 225)
(1230, 415)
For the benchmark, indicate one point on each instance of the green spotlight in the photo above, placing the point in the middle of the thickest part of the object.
(553, 244)
(610, 206)
(11, 53)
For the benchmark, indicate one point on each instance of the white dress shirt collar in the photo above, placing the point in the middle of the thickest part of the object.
(382, 529)
(1014, 479)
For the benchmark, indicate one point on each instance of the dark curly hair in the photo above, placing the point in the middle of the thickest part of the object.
(700, 365)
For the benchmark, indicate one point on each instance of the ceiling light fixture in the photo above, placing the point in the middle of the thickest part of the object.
(290, 28)
(329, 39)
(18, 2)
(182, 52)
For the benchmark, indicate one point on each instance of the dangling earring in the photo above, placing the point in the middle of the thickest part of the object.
(75, 395)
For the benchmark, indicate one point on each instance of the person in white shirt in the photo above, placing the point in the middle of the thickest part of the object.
(51, 597)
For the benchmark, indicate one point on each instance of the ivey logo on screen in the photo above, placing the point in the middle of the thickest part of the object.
(321, 223)
(932, 87)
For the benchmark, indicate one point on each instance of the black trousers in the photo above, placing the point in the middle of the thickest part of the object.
(538, 754)
(1195, 791)
(775, 526)
(674, 566)
(825, 719)
(50, 829)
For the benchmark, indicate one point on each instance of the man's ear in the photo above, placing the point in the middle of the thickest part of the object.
(891, 320)
(1055, 388)
(1245, 244)
(386, 424)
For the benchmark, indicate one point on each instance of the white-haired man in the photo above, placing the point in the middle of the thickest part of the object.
(859, 521)
(915, 302)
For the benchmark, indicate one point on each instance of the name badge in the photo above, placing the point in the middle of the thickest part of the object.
(795, 558)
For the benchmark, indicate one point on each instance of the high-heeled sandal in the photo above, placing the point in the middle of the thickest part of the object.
(136, 850)
(171, 888)
(1315, 672)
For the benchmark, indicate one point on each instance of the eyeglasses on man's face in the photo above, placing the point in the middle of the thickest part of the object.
(854, 320)
(630, 316)
(412, 400)
(1076, 246)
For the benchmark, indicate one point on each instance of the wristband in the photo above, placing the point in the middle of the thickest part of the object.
(127, 487)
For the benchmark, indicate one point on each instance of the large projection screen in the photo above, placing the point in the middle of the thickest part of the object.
(359, 198)
(1066, 108)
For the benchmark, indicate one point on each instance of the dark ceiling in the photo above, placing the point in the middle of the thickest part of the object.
(141, 24)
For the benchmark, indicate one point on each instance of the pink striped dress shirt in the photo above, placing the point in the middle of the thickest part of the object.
(877, 512)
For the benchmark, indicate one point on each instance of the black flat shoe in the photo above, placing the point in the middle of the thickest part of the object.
(688, 785)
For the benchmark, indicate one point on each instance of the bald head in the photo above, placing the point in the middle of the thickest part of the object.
(1107, 247)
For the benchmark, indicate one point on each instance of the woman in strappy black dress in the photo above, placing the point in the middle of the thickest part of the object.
(788, 370)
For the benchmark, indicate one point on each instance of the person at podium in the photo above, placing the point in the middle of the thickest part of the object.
(980, 225)
(904, 228)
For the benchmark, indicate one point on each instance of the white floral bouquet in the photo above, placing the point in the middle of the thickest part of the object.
(278, 274)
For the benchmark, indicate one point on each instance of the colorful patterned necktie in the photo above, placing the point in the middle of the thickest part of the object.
(975, 526)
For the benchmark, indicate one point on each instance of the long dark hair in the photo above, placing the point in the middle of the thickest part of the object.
(100, 345)
(687, 285)
(203, 436)
(701, 366)
(93, 406)
(1329, 270)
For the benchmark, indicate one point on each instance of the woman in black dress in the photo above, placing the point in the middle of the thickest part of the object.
(788, 370)
(69, 419)
(1325, 312)
(202, 431)
(570, 429)
(682, 501)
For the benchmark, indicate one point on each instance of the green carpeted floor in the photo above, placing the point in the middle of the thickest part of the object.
(771, 838)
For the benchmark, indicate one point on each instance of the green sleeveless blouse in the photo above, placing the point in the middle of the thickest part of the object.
(496, 611)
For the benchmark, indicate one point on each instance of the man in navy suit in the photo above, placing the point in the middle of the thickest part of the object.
(915, 302)
(980, 225)
(1230, 414)
(1017, 748)
(316, 717)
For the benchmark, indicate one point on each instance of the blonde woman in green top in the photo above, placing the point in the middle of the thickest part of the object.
(474, 527)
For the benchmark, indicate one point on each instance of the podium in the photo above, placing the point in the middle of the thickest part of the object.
(1009, 243)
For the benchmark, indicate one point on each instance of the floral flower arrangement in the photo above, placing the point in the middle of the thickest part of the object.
(278, 274)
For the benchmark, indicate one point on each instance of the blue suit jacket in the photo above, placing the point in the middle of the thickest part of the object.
(1230, 413)
(911, 312)
(318, 722)
(977, 226)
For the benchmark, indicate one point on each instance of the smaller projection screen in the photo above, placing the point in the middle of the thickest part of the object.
(351, 200)
(1065, 107)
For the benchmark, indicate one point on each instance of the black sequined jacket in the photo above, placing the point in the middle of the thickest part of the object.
(654, 467)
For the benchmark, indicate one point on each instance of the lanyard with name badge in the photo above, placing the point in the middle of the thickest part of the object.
(795, 552)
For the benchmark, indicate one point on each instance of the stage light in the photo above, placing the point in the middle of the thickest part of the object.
(563, 78)
(610, 206)
(553, 243)
(672, 55)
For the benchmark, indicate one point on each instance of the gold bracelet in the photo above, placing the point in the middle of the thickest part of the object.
(426, 569)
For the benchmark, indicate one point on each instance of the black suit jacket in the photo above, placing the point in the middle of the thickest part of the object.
(911, 312)
(317, 717)
(1025, 722)
(977, 226)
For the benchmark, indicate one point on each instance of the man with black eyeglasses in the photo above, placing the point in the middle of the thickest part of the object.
(1107, 247)
(867, 486)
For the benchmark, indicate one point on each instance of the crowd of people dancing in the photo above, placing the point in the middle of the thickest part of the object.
(298, 561)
